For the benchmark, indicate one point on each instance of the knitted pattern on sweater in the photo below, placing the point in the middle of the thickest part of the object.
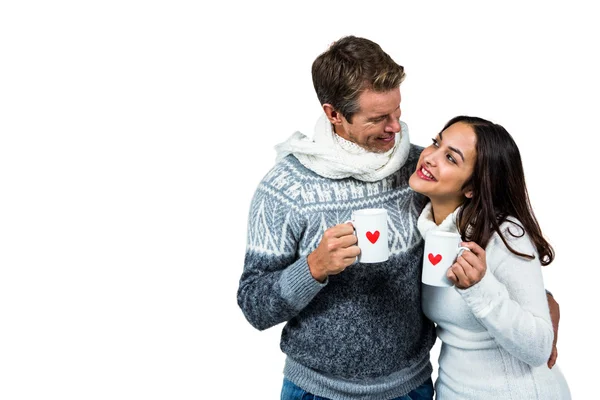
(361, 334)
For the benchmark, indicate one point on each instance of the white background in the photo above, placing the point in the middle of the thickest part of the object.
(133, 135)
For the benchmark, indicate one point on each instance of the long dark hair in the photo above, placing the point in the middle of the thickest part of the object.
(499, 191)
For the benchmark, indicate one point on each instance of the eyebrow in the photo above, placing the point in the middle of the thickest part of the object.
(377, 117)
(382, 115)
(454, 149)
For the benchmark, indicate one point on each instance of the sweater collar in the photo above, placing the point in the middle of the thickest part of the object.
(426, 223)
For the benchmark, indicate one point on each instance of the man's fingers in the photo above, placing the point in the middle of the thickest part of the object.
(343, 229)
(338, 231)
(348, 240)
(351, 252)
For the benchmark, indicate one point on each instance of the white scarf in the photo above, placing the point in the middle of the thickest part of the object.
(331, 156)
(425, 223)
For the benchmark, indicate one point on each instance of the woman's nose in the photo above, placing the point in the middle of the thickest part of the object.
(429, 159)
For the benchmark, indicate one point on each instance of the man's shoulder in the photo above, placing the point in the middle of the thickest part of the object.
(415, 148)
(413, 155)
(290, 168)
(286, 179)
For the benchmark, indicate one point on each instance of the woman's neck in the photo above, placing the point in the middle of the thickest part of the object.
(441, 210)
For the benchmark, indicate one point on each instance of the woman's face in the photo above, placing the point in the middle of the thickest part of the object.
(446, 165)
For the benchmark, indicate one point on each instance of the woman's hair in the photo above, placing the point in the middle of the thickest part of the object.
(499, 191)
(350, 66)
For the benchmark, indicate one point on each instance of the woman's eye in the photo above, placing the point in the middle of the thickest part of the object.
(435, 142)
(451, 159)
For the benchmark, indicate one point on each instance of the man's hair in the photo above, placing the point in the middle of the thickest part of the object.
(350, 66)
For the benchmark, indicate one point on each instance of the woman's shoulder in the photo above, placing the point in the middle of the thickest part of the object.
(513, 227)
(514, 234)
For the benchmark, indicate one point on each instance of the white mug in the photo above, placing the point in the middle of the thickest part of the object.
(441, 251)
(371, 229)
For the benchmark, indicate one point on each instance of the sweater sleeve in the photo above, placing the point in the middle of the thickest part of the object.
(276, 283)
(511, 303)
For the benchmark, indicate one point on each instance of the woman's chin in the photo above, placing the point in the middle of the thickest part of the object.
(414, 183)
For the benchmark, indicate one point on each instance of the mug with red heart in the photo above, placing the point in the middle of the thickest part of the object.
(371, 228)
(441, 250)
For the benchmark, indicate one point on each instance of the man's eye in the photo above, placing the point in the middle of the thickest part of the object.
(435, 142)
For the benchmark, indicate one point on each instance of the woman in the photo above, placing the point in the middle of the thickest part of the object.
(494, 323)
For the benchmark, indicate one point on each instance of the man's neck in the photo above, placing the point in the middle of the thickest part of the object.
(339, 130)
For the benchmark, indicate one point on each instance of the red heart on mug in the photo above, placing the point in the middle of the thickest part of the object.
(373, 236)
(434, 259)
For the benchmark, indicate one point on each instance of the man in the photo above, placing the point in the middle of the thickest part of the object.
(353, 331)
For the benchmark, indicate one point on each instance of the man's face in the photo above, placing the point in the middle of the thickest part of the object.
(375, 125)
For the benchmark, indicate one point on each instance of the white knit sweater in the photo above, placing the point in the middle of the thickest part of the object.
(496, 335)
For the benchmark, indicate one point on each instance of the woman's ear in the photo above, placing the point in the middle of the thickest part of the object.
(468, 192)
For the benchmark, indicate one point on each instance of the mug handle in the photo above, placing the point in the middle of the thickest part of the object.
(461, 250)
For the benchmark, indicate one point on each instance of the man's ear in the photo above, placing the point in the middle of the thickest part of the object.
(332, 115)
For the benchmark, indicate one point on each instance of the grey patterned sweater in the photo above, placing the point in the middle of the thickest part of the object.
(361, 334)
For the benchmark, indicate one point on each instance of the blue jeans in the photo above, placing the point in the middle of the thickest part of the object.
(292, 392)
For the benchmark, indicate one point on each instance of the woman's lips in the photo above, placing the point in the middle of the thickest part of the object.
(424, 173)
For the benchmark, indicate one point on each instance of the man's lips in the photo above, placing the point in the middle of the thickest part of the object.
(424, 173)
(387, 138)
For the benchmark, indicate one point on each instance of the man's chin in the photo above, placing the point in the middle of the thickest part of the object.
(382, 146)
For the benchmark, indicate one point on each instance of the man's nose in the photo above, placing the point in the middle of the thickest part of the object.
(393, 125)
